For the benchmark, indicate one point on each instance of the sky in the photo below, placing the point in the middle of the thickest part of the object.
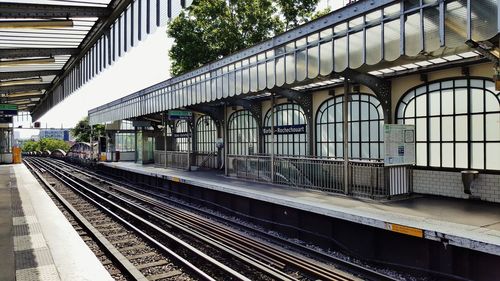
(143, 66)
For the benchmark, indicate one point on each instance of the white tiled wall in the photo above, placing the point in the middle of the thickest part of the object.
(487, 186)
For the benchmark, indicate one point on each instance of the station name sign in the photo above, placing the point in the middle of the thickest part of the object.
(181, 135)
(8, 109)
(281, 130)
(180, 115)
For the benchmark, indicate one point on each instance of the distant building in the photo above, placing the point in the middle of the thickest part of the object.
(60, 134)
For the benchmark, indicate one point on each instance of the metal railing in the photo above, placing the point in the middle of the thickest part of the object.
(366, 178)
(206, 159)
(173, 159)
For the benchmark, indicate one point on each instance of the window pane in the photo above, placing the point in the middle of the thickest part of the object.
(460, 101)
(477, 156)
(461, 130)
(434, 103)
(422, 105)
(461, 155)
(477, 128)
(493, 127)
(447, 130)
(435, 155)
(492, 152)
(447, 155)
(435, 129)
(421, 154)
(421, 128)
(447, 99)
(477, 102)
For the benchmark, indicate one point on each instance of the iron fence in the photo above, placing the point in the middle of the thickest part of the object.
(365, 178)
(173, 159)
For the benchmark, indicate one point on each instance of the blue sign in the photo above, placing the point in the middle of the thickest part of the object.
(289, 129)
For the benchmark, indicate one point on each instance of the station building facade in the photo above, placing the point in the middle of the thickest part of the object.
(277, 112)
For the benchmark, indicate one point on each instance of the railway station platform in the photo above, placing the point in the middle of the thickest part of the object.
(36, 240)
(473, 225)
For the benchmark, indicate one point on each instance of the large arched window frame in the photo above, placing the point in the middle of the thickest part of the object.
(206, 134)
(457, 123)
(181, 143)
(287, 114)
(243, 133)
(366, 122)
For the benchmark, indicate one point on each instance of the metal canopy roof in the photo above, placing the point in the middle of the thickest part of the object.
(366, 36)
(50, 48)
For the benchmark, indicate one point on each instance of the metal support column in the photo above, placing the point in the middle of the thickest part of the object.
(272, 137)
(345, 124)
(165, 136)
(225, 138)
(91, 143)
(190, 136)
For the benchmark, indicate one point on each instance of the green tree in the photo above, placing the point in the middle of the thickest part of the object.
(52, 144)
(81, 131)
(211, 29)
(30, 146)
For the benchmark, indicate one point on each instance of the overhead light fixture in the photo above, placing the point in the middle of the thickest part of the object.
(20, 101)
(21, 81)
(4, 63)
(25, 94)
(36, 24)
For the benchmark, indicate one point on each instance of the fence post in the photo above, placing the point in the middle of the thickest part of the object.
(346, 134)
(272, 137)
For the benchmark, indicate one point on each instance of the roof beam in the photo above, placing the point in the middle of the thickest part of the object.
(23, 88)
(26, 74)
(19, 10)
(37, 52)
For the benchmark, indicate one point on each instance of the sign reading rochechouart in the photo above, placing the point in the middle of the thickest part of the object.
(399, 144)
(181, 135)
(281, 130)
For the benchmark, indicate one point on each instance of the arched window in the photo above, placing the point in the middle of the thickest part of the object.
(206, 134)
(181, 135)
(243, 133)
(457, 123)
(290, 124)
(366, 122)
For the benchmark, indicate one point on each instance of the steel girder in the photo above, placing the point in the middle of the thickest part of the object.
(26, 74)
(37, 52)
(23, 88)
(17, 10)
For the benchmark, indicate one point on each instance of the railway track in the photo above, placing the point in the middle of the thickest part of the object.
(273, 263)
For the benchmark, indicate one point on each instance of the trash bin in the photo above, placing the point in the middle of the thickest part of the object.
(468, 179)
(117, 156)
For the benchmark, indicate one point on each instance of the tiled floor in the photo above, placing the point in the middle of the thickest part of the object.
(42, 244)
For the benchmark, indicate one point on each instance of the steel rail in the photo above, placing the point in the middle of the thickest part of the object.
(234, 238)
(85, 185)
(77, 187)
(266, 269)
(104, 244)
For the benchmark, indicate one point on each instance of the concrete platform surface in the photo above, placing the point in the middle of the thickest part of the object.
(469, 224)
(36, 240)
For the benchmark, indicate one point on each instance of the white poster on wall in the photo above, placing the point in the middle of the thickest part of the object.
(399, 144)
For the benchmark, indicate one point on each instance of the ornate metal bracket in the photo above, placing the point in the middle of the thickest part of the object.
(301, 98)
(216, 113)
(381, 88)
(255, 108)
